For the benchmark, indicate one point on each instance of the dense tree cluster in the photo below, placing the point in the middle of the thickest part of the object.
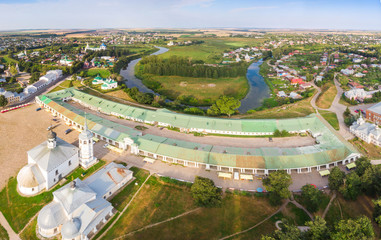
(205, 193)
(277, 184)
(185, 67)
(224, 105)
(350, 229)
(145, 98)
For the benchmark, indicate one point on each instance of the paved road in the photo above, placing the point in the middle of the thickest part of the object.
(242, 142)
(336, 107)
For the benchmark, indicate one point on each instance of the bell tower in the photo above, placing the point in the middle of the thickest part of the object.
(86, 152)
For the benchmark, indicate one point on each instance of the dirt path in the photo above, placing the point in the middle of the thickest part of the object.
(301, 207)
(329, 205)
(258, 224)
(125, 208)
(158, 223)
(5, 224)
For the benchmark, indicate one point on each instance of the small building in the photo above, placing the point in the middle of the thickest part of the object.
(373, 114)
(47, 164)
(281, 94)
(296, 81)
(357, 94)
(367, 132)
(107, 83)
(79, 209)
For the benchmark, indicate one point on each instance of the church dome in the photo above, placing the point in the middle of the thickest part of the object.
(26, 178)
(52, 135)
(71, 228)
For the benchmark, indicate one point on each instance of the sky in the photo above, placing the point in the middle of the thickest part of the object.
(80, 14)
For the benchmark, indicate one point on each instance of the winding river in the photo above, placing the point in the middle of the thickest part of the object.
(257, 92)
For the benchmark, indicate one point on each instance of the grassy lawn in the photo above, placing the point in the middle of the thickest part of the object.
(6, 59)
(122, 198)
(3, 233)
(103, 72)
(120, 94)
(66, 84)
(331, 118)
(156, 202)
(344, 209)
(201, 88)
(327, 95)
(299, 109)
(29, 232)
(237, 213)
(295, 214)
(370, 150)
(19, 210)
(211, 50)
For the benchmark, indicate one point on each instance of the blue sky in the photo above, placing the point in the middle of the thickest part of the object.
(310, 14)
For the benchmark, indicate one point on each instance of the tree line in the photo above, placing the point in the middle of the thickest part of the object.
(185, 67)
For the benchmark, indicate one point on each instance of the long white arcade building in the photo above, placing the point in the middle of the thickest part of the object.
(330, 148)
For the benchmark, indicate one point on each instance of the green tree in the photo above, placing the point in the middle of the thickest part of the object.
(377, 211)
(311, 197)
(362, 164)
(318, 229)
(354, 229)
(224, 105)
(309, 77)
(13, 70)
(336, 178)
(277, 183)
(205, 193)
(352, 186)
(371, 180)
(288, 232)
(3, 101)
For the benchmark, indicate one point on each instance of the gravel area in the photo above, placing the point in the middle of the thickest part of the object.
(21, 130)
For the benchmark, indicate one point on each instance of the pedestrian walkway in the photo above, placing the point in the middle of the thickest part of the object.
(5, 224)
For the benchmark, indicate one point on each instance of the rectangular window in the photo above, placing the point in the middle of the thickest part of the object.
(70, 163)
(56, 172)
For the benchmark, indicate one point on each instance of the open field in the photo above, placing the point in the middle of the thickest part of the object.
(156, 202)
(327, 95)
(201, 88)
(66, 84)
(3, 233)
(5, 59)
(331, 118)
(121, 94)
(211, 50)
(103, 72)
(299, 109)
(344, 209)
(369, 150)
(238, 212)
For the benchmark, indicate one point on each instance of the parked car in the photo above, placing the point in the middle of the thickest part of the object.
(105, 146)
(38, 109)
(68, 131)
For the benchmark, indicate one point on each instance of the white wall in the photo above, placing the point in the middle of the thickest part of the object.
(64, 169)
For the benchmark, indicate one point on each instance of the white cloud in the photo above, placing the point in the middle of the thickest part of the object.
(191, 3)
(244, 9)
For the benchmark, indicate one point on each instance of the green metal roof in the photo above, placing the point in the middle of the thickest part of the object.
(332, 146)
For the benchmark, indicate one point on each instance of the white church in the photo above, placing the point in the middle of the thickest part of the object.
(54, 159)
(101, 47)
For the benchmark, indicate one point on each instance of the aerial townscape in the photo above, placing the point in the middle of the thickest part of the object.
(204, 119)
